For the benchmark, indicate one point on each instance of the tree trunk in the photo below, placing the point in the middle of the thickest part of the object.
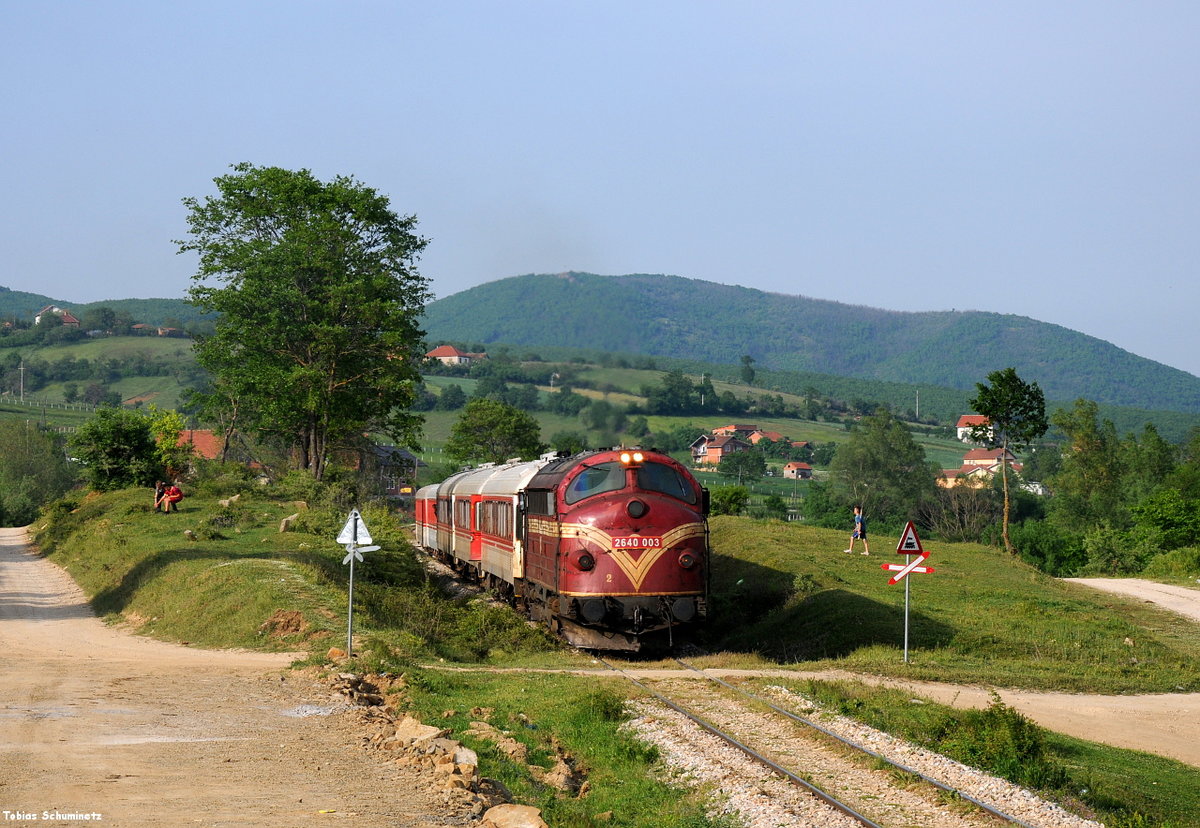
(1004, 480)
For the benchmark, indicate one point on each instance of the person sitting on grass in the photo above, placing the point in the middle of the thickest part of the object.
(170, 498)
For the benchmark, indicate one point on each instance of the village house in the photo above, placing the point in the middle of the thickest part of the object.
(735, 430)
(979, 465)
(449, 355)
(967, 422)
(68, 318)
(709, 449)
(758, 435)
(798, 471)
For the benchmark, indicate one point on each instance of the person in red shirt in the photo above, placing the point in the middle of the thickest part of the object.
(169, 498)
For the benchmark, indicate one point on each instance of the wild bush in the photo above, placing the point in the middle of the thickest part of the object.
(1178, 563)
(1001, 740)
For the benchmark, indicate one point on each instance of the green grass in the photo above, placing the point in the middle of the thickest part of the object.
(215, 589)
(582, 715)
(787, 593)
(782, 594)
(117, 347)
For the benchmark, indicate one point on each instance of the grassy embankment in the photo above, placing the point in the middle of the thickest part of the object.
(237, 581)
(782, 595)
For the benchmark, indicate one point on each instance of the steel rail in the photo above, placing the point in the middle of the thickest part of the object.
(827, 798)
(856, 746)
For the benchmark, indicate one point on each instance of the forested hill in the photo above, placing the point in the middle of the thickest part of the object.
(16, 304)
(677, 317)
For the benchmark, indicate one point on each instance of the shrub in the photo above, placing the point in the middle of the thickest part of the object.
(1050, 549)
(117, 450)
(730, 500)
(1001, 740)
(1178, 563)
(1117, 552)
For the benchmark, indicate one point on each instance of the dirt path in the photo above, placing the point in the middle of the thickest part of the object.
(1178, 599)
(96, 721)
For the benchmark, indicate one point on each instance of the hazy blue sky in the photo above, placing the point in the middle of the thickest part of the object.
(1034, 158)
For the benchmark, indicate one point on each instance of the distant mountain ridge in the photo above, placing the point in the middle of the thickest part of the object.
(673, 316)
(16, 304)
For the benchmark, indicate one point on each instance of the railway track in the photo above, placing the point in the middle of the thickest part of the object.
(835, 781)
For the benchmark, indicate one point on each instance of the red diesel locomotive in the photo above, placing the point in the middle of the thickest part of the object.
(608, 548)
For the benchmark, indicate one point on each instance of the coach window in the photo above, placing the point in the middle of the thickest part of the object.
(594, 480)
(657, 477)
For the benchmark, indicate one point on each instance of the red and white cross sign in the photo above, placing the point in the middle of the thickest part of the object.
(909, 544)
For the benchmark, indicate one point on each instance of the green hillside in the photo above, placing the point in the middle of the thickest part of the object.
(18, 305)
(670, 316)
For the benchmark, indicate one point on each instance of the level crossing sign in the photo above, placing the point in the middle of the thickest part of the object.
(908, 546)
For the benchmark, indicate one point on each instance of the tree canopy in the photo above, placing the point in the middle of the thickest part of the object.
(319, 300)
(116, 449)
(1016, 413)
(33, 471)
(746, 466)
(494, 431)
(883, 469)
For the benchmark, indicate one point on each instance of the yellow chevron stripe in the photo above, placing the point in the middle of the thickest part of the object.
(637, 570)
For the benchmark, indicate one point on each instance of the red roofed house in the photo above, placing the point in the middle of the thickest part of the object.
(449, 355)
(759, 435)
(204, 442)
(968, 421)
(978, 465)
(708, 450)
(798, 471)
(62, 313)
(735, 430)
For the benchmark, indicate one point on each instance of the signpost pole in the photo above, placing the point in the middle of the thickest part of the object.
(352, 548)
(353, 534)
(907, 560)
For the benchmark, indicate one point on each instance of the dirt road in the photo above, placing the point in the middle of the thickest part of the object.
(1178, 599)
(97, 721)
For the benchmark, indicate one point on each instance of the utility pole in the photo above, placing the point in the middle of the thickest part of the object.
(22, 370)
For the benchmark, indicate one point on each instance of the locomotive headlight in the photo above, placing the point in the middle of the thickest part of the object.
(632, 457)
(585, 561)
(626, 457)
(636, 509)
(687, 560)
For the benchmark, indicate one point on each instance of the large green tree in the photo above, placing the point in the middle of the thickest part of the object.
(33, 471)
(319, 299)
(116, 449)
(746, 466)
(1016, 412)
(494, 431)
(883, 469)
(1087, 489)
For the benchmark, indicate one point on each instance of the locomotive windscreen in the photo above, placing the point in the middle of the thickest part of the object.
(656, 477)
(594, 480)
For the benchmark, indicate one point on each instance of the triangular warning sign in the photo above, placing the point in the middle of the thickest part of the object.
(355, 530)
(909, 544)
